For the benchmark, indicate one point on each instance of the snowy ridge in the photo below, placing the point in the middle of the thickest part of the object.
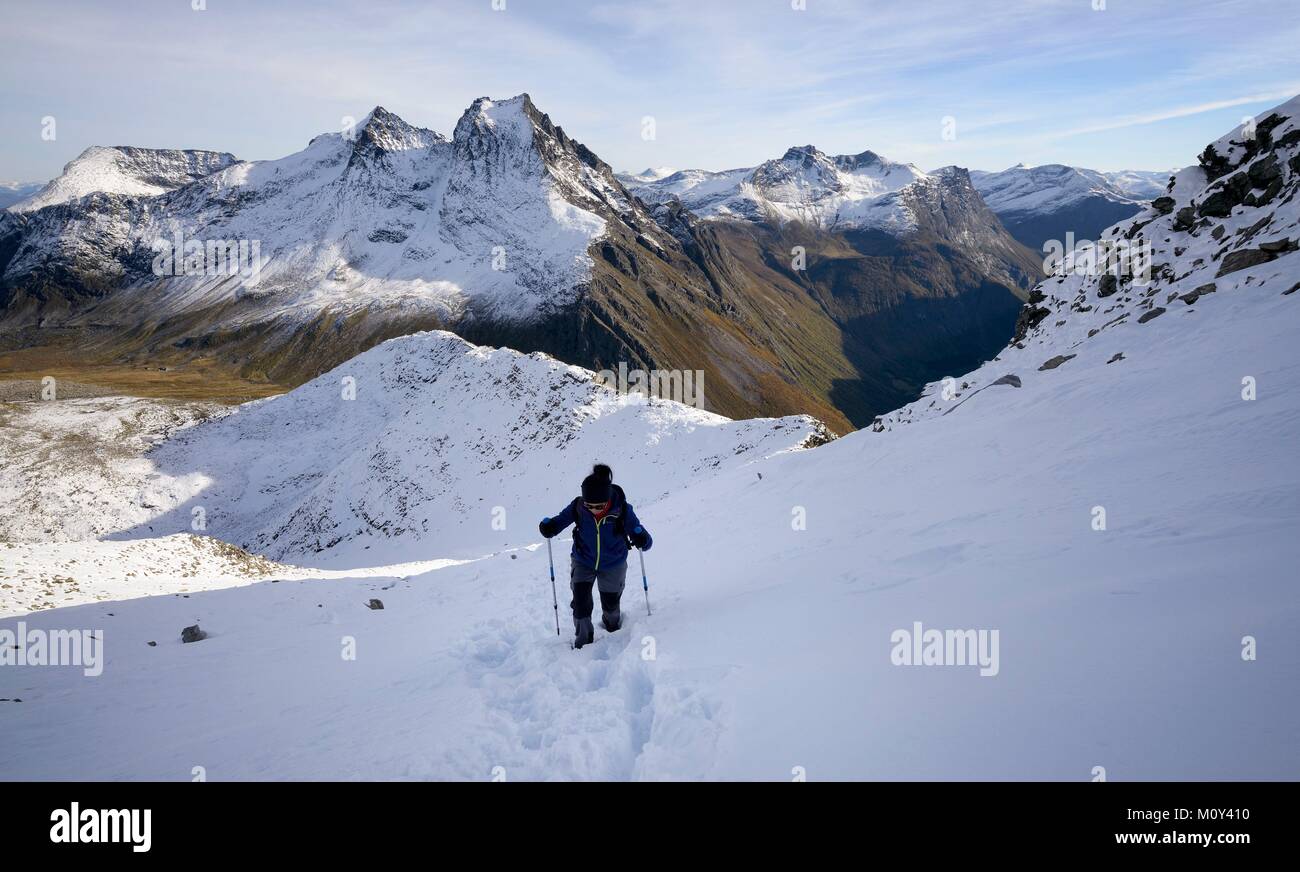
(804, 185)
(128, 171)
(1050, 187)
(428, 449)
(649, 174)
(1140, 185)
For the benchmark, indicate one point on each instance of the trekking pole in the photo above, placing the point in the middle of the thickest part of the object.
(554, 600)
(645, 585)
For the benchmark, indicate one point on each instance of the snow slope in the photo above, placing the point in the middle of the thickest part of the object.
(125, 170)
(769, 650)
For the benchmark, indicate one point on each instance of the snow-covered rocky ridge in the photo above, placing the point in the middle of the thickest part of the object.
(429, 446)
(846, 193)
(127, 171)
(835, 192)
(1048, 187)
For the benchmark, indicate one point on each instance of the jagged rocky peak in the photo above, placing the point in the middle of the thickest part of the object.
(802, 154)
(382, 132)
(490, 127)
(487, 123)
(126, 171)
(800, 162)
(861, 160)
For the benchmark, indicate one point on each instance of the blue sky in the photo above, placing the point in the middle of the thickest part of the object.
(1140, 84)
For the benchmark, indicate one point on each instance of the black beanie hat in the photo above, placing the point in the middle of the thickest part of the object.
(596, 488)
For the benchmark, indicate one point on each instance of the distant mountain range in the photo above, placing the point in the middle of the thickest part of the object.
(14, 192)
(1035, 204)
(830, 286)
(1038, 204)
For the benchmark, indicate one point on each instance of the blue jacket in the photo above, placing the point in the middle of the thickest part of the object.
(603, 543)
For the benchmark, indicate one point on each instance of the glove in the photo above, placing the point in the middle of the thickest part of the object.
(547, 528)
(640, 538)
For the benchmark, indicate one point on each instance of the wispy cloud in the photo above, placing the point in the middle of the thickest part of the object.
(729, 82)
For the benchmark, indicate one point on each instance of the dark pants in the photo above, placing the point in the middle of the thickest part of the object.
(609, 583)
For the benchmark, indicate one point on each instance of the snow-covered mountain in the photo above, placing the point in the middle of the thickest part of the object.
(1141, 185)
(388, 215)
(1045, 202)
(1115, 497)
(833, 192)
(849, 193)
(127, 171)
(649, 174)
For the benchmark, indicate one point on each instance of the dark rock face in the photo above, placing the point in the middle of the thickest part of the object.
(1193, 295)
(375, 604)
(1263, 173)
(1029, 318)
(1056, 361)
(1243, 258)
(1011, 379)
(1278, 246)
(1154, 313)
(193, 634)
(1230, 193)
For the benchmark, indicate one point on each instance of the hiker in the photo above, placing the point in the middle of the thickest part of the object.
(605, 524)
